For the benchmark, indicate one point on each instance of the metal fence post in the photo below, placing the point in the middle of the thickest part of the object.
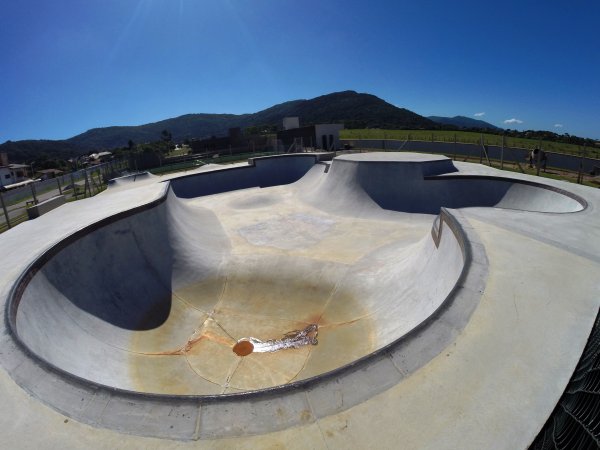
(454, 146)
(481, 151)
(86, 186)
(502, 154)
(73, 184)
(93, 182)
(98, 181)
(581, 163)
(5, 211)
(58, 183)
(31, 185)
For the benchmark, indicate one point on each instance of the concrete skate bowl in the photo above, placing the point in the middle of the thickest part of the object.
(138, 314)
(154, 303)
(418, 183)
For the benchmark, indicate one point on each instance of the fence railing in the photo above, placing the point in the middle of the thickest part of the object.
(472, 138)
(505, 154)
(74, 186)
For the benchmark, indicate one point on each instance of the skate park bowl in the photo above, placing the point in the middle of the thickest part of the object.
(163, 307)
(147, 305)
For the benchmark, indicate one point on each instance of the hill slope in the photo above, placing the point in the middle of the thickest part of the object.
(349, 107)
(183, 127)
(30, 150)
(353, 109)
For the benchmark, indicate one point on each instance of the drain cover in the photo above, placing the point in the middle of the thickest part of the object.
(292, 339)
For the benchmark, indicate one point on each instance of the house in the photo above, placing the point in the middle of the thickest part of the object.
(13, 173)
(48, 173)
(19, 172)
(5, 176)
(321, 136)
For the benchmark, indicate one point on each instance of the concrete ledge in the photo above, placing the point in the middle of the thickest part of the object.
(45, 206)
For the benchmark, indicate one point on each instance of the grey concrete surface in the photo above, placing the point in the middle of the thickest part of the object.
(124, 318)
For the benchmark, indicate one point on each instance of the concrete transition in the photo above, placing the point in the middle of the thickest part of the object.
(451, 302)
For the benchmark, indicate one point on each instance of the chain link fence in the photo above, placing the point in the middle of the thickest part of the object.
(74, 186)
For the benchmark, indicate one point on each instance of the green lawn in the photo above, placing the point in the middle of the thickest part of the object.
(467, 137)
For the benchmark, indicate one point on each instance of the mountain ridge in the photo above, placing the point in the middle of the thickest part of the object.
(348, 107)
(353, 109)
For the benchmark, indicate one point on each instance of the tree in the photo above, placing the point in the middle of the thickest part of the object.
(166, 135)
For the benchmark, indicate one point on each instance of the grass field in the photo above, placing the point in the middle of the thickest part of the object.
(468, 137)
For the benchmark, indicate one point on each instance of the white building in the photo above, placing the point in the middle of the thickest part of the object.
(5, 176)
(322, 136)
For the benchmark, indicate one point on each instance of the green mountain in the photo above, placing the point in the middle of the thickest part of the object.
(30, 150)
(183, 127)
(349, 107)
(463, 122)
(353, 109)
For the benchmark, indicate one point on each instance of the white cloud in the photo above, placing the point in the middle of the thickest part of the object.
(479, 114)
(558, 125)
(513, 120)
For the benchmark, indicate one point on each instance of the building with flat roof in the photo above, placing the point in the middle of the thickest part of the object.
(321, 136)
(12, 173)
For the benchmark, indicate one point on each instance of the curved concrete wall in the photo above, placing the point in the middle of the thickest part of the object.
(115, 306)
(261, 172)
(425, 189)
(464, 192)
(80, 311)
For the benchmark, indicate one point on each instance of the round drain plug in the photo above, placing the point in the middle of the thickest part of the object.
(243, 347)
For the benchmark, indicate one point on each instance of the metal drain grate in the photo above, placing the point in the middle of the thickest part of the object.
(293, 339)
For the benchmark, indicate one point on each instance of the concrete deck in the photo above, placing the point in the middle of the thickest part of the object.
(438, 327)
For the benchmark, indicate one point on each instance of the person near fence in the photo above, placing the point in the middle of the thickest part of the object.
(533, 159)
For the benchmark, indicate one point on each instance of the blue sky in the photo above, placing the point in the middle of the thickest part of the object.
(71, 65)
